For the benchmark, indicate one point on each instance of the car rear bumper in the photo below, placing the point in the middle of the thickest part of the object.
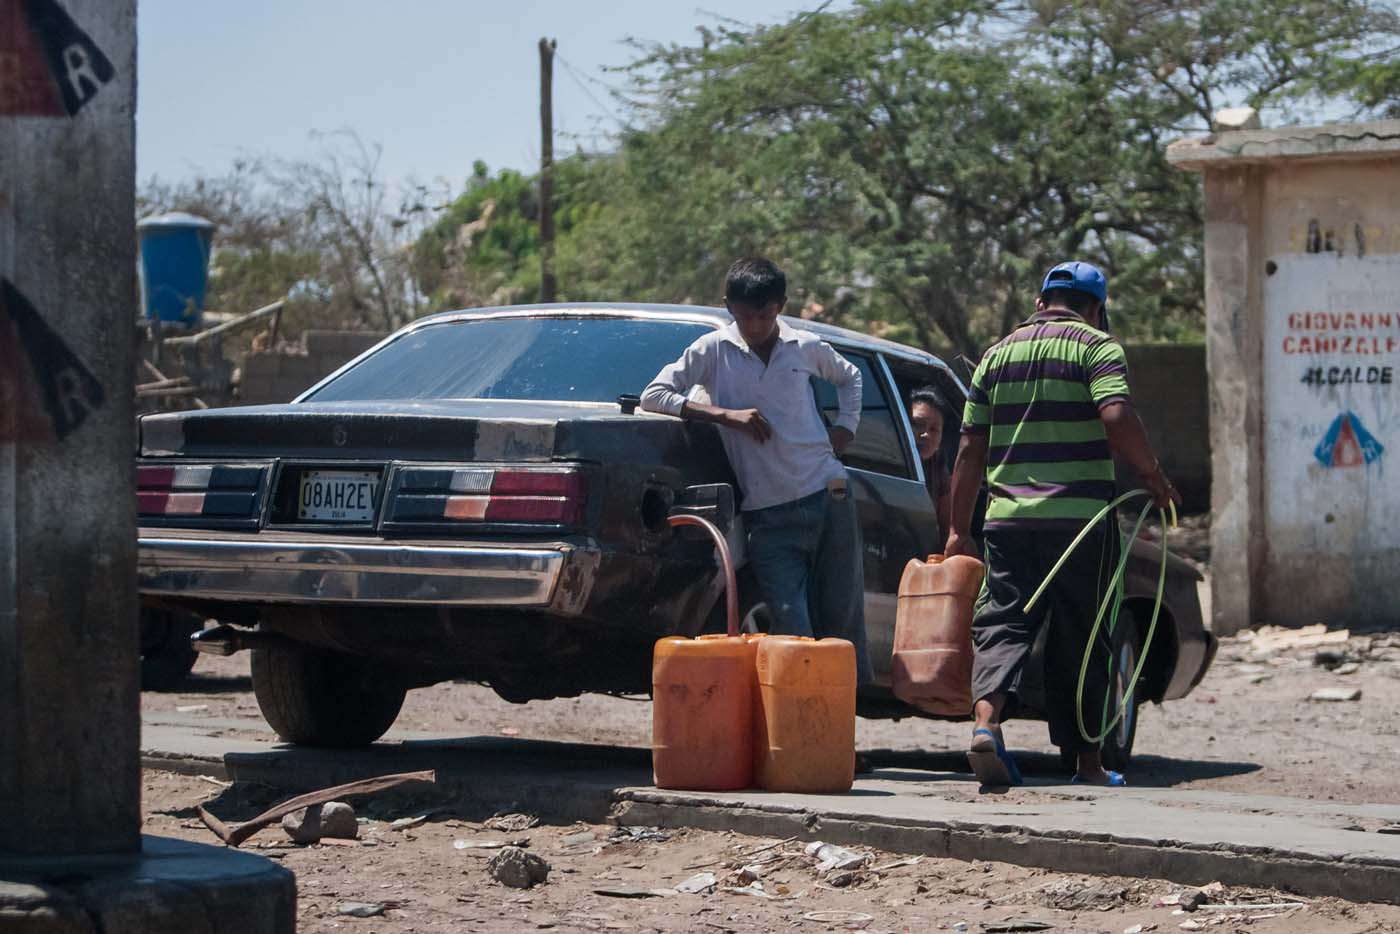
(259, 568)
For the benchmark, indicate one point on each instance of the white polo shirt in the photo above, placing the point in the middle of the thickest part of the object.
(797, 460)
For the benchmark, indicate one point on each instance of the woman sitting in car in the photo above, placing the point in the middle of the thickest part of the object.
(927, 408)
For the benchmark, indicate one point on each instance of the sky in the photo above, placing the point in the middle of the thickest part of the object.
(437, 83)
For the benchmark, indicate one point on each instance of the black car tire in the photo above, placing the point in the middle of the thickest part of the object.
(1127, 652)
(167, 656)
(317, 697)
(1118, 745)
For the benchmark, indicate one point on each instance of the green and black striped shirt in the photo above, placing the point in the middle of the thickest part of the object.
(1037, 394)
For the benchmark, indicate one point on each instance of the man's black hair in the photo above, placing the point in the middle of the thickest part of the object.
(930, 395)
(754, 280)
(1079, 302)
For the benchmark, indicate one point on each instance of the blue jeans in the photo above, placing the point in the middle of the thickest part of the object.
(807, 558)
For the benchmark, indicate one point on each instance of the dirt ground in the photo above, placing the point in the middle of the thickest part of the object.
(1249, 727)
(434, 876)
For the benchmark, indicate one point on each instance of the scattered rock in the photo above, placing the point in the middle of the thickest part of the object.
(360, 909)
(335, 819)
(518, 869)
(1331, 659)
(1335, 694)
(403, 823)
(1350, 668)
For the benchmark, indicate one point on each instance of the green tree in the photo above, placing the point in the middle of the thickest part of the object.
(922, 162)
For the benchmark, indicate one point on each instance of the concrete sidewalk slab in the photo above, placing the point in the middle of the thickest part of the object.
(1191, 837)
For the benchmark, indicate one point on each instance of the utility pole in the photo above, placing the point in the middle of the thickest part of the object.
(548, 286)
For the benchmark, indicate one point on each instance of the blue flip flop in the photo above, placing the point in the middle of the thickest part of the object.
(994, 766)
(1115, 780)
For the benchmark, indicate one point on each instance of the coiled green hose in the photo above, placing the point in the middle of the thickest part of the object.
(1114, 598)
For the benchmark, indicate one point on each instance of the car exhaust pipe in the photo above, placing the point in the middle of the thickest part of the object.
(226, 640)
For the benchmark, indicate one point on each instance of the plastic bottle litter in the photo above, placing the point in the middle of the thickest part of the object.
(831, 857)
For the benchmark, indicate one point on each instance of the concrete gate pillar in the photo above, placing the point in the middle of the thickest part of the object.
(71, 853)
(1302, 262)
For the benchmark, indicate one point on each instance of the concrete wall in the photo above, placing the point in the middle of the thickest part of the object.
(1303, 346)
(279, 377)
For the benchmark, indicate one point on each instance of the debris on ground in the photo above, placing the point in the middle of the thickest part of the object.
(637, 835)
(830, 857)
(1268, 639)
(334, 819)
(1075, 895)
(698, 884)
(1335, 695)
(847, 918)
(360, 909)
(404, 823)
(517, 868)
(633, 891)
(511, 823)
(235, 835)
(490, 844)
(1014, 927)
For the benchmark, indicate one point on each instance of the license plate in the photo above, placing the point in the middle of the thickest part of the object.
(337, 495)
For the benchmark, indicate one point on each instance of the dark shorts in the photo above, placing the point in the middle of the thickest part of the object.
(1003, 634)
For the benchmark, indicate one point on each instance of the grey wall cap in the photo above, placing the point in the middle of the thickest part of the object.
(1376, 140)
(176, 219)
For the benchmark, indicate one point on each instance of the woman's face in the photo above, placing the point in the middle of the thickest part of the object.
(928, 428)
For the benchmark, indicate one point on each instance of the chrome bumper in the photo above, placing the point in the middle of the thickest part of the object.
(254, 569)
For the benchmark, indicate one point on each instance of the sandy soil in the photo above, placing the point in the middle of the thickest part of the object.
(422, 882)
(1249, 727)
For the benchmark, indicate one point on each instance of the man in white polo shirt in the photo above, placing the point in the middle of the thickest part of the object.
(803, 535)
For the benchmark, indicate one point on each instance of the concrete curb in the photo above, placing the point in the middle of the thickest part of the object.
(1190, 837)
(1309, 875)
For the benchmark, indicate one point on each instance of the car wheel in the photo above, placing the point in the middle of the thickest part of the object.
(317, 697)
(1127, 651)
(166, 653)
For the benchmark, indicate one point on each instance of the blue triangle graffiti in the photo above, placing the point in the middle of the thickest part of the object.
(1347, 443)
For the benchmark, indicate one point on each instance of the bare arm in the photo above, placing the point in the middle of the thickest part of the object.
(1128, 439)
(967, 481)
(749, 421)
(666, 394)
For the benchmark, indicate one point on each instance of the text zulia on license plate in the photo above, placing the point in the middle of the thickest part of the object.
(337, 495)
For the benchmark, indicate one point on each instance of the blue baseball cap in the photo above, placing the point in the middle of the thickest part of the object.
(1084, 277)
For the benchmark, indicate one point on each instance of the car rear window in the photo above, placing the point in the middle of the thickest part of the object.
(591, 359)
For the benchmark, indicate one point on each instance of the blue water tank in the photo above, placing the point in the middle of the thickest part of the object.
(174, 267)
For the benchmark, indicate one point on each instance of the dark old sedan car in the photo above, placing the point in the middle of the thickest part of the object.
(478, 497)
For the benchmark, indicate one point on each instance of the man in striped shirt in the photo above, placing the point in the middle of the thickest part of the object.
(1048, 407)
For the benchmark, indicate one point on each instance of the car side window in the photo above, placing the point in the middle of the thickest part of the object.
(877, 446)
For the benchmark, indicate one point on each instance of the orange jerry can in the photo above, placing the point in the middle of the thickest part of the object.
(806, 731)
(932, 667)
(702, 713)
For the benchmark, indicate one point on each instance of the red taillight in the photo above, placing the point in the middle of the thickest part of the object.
(222, 492)
(543, 496)
(537, 483)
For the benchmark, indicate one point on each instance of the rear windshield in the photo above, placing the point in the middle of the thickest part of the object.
(546, 359)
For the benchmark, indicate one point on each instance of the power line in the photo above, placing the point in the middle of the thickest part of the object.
(574, 74)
